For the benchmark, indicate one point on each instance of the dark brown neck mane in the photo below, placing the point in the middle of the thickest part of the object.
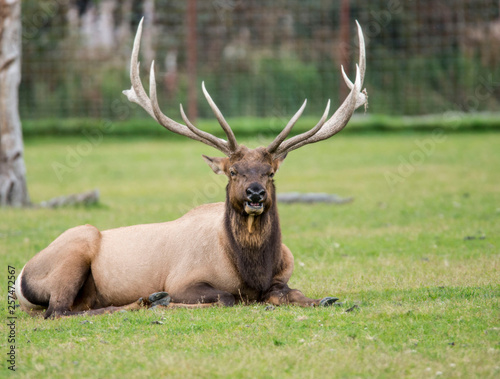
(256, 254)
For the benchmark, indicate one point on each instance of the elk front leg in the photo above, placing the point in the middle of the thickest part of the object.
(279, 292)
(200, 295)
(163, 300)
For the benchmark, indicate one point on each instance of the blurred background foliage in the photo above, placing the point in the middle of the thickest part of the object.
(260, 58)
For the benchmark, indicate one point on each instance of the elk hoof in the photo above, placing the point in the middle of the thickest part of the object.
(327, 301)
(159, 298)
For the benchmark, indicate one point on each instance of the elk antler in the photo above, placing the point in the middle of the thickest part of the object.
(325, 129)
(138, 95)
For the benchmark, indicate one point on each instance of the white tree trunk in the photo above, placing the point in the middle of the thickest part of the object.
(13, 190)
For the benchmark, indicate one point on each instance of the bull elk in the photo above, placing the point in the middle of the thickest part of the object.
(222, 253)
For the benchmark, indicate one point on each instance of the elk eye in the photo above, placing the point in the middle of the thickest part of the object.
(232, 173)
(271, 174)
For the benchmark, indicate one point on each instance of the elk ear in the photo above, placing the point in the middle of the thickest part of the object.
(278, 161)
(217, 164)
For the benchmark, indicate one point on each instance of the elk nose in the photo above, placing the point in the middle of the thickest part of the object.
(256, 193)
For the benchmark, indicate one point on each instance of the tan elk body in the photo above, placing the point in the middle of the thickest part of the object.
(218, 253)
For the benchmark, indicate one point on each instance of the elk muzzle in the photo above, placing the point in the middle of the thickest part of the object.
(256, 195)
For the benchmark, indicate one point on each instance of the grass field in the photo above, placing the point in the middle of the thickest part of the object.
(418, 253)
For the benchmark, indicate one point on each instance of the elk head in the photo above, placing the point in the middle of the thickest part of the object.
(250, 178)
(250, 171)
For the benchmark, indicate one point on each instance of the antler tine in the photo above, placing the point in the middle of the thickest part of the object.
(231, 139)
(273, 146)
(362, 67)
(362, 58)
(295, 140)
(138, 95)
(191, 131)
(204, 135)
(174, 126)
(336, 123)
(341, 117)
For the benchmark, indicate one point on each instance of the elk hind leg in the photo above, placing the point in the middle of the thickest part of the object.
(63, 295)
(136, 305)
(55, 276)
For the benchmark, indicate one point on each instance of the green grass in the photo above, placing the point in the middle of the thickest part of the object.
(427, 295)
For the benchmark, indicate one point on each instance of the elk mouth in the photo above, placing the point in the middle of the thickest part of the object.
(254, 208)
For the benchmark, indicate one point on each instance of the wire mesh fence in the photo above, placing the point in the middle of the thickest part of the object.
(261, 58)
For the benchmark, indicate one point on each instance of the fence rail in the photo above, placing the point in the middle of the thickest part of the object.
(261, 58)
